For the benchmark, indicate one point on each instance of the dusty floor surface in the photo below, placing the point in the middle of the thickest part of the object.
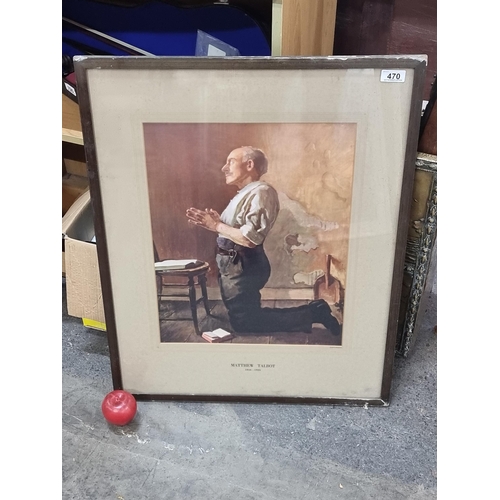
(227, 451)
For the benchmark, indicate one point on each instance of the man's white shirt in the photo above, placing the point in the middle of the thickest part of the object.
(253, 211)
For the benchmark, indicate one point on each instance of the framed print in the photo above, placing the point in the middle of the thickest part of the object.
(251, 218)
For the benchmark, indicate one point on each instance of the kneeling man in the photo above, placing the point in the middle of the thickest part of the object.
(244, 268)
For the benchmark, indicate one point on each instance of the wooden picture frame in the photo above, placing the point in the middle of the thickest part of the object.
(338, 132)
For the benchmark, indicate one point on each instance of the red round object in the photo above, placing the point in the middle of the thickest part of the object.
(119, 407)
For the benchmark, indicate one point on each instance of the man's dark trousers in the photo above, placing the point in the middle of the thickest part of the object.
(241, 277)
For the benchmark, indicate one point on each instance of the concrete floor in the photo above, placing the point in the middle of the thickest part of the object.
(229, 451)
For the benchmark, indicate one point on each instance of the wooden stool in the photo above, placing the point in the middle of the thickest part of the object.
(198, 272)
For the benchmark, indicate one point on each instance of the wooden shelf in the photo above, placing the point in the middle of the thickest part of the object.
(74, 171)
(71, 125)
(303, 27)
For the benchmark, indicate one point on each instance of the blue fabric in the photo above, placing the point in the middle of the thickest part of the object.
(163, 29)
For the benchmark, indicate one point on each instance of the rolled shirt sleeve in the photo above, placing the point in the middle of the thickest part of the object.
(253, 211)
(262, 211)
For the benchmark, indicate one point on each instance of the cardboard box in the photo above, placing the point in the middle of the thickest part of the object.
(80, 264)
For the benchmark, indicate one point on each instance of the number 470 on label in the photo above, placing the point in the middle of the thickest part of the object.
(393, 75)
